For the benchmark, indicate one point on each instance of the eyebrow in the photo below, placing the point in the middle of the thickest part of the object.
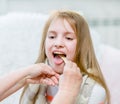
(52, 31)
(67, 32)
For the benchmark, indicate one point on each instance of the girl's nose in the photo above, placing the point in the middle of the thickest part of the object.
(59, 43)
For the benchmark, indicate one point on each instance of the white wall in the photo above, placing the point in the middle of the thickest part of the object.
(102, 15)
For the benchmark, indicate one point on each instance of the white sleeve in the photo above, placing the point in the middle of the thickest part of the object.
(98, 95)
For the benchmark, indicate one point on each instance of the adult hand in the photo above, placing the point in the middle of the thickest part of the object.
(42, 73)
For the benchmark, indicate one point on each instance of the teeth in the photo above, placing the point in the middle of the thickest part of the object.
(57, 53)
(61, 55)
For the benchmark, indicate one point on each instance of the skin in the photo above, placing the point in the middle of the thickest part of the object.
(35, 74)
(60, 38)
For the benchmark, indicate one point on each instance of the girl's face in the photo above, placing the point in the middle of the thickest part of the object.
(60, 40)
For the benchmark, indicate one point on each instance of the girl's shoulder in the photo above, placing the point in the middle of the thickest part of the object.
(91, 91)
(98, 94)
(91, 84)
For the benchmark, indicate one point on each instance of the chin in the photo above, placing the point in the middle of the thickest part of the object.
(58, 70)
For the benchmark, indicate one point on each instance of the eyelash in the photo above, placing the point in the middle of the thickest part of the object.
(68, 38)
(51, 37)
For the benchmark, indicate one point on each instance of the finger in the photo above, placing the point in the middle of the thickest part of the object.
(49, 71)
(74, 65)
(48, 81)
(33, 81)
(54, 79)
(57, 76)
(68, 62)
(68, 65)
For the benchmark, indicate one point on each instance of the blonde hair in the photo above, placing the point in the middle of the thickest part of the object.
(85, 56)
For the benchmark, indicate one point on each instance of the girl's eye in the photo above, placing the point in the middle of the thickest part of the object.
(69, 38)
(51, 36)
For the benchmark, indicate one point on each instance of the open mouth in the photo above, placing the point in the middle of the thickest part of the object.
(58, 55)
(58, 61)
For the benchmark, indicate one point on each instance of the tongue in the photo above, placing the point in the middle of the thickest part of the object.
(58, 60)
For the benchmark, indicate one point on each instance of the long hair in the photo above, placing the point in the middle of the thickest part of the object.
(85, 56)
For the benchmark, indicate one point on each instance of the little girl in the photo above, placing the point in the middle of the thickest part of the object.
(66, 33)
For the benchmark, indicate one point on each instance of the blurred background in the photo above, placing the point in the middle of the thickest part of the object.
(103, 15)
(21, 23)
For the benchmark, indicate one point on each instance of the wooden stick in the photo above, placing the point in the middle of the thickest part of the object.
(64, 59)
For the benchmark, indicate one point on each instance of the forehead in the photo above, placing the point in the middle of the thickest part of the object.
(60, 23)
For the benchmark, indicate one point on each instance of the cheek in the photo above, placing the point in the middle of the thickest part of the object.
(47, 48)
(71, 52)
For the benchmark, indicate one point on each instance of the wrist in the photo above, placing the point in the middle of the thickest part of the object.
(73, 91)
(24, 74)
(67, 93)
(64, 97)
